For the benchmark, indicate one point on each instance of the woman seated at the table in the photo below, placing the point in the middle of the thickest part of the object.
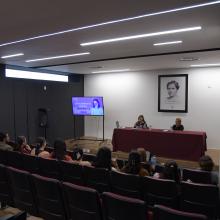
(178, 126)
(141, 123)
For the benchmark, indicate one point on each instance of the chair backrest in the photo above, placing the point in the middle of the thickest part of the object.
(89, 157)
(81, 202)
(3, 157)
(49, 198)
(117, 207)
(30, 163)
(126, 184)
(97, 178)
(72, 172)
(15, 159)
(50, 168)
(5, 190)
(200, 198)
(19, 216)
(160, 191)
(161, 212)
(197, 176)
(22, 190)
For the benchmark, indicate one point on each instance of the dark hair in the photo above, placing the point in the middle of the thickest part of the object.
(173, 82)
(2, 136)
(20, 140)
(206, 163)
(96, 101)
(103, 158)
(77, 153)
(134, 163)
(40, 141)
(59, 150)
(171, 171)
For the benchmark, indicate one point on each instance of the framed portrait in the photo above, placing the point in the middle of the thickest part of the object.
(173, 93)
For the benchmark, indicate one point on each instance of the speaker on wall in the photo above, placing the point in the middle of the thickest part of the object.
(43, 117)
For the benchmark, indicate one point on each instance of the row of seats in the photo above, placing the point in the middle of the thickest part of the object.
(55, 200)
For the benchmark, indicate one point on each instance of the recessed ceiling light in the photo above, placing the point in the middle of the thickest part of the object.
(168, 43)
(111, 71)
(22, 74)
(58, 57)
(189, 59)
(205, 65)
(174, 31)
(113, 22)
(12, 55)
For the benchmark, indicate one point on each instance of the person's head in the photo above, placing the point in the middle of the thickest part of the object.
(104, 158)
(59, 149)
(142, 153)
(171, 171)
(3, 137)
(77, 153)
(21, 140)
(95, 103)
(178, 122)
(141, 118)
(134, 162)
(172, 88)
(206, 163)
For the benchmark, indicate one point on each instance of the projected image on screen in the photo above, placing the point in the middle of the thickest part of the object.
(88, 105)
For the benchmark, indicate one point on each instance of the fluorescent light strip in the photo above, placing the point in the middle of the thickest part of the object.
(22, 74)
(111, 71)
(12, 55)
(168, 43)
(205, 65)
(142, 36)
(58, 57)
(113, 22)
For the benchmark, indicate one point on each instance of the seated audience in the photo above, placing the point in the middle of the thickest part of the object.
(206, 164)
(141, 123)
(145, 156)
(134, 165)
(3, 142)
(104, 159)
(170, 171)
(22, 145)
(59, 152)
(178, 126)
(38, 150)
(78, 155)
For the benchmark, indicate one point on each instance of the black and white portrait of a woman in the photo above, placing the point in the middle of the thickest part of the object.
(173, 93)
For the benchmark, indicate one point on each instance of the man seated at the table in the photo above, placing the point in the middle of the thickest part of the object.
(141, 123)
(178, 126)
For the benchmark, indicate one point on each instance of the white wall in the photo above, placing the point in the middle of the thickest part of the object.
(126, 95)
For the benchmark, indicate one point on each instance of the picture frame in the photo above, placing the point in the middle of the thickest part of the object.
(173, 93)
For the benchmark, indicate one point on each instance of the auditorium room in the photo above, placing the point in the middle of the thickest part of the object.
(110, 110)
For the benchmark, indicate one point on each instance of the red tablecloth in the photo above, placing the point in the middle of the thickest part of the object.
(185, 145)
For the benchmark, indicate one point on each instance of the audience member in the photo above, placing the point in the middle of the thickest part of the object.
(38, 150)
(141, 123)
(145, 156)
(22, 145)
(3, 142)
(206, 164)
(78, 155)
(104, 159)
(178, 126)
(170, 171)
(59, 152)
(134, 165)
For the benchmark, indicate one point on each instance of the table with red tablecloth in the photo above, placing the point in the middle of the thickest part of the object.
(183, 145)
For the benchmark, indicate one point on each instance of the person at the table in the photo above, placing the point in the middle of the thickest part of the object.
(178, 125)
(141, 123)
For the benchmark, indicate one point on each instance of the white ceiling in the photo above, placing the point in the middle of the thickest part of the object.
(28, 18)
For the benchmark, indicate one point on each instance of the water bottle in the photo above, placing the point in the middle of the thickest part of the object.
(153, 161)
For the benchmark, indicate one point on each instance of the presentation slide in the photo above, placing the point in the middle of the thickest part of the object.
(88, 106)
